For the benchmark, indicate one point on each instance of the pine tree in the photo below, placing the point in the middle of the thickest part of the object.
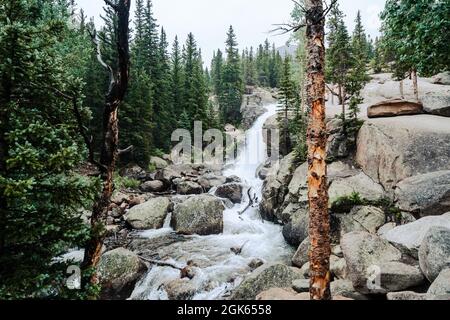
(216, 72)
(177, 78)
(41, 56)
(230, 99)
(251, 72)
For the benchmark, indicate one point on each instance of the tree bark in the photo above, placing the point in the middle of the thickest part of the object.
(109, 150)
(402, 91)
(319, 228)
(415, 84)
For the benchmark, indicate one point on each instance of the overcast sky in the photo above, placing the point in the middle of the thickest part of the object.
(252, 20)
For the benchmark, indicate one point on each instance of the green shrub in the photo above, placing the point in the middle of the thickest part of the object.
(125, 182)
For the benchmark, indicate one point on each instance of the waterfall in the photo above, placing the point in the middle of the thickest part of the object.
(222, 270)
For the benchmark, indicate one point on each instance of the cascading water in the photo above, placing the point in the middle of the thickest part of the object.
(219, 270)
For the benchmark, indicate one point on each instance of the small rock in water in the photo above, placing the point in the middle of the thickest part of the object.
(255, 264)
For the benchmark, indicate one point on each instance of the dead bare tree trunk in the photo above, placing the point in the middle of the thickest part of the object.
(319, 228)
(402, 91)
(109, 150)
(415, 84)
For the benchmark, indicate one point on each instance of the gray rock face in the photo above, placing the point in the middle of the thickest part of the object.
(202, 215)
(440, 286)
(211, 180)
(390, 150)
(301, 255)
(338, 267)
(393, 108)
(426, 194)
(359, 183)
(118, 272)
(301, 285)
(158, 162)
(231, 191)
(442, 78)
(406, 296)
(337, 145)
(362, 218)
(345, 288)
(264, 278)
(411, 235)
(188, 188)
(297, 229)
(438, 105)
(374, 265)
(152, 186)
(149, 215)
(275, 188)
(434, 252)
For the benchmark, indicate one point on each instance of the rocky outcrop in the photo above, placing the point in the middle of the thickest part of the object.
(118, 272)
(253, 105)
(264, 278)
(358, 183)
(393, 108)
(437, 104)
(434, 252)
(441, 286)
(411, 235)
(149, 215)
(362, 218)
(275, 188)
(425, 194)
(338, 143)
(442, 78)
(390, 150)
(202, 215)
(232, 191)
(374, 265)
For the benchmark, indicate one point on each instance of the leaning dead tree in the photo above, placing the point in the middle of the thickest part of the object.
(315, 12)
(109, 146)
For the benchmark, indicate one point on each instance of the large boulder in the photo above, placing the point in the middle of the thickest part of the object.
(362, 218)
(152, 186)
(231, 191)
(434, 252)
(425, 194)
(301, 256)
(202, 215)
(393, 108)
(149, 215)
(411, 235)
(118, 272)
(442, 78)
(133, 171)
(275, 188)
(440, 286)
(437, 104)
(175, 171)
(265, 277)
(189, 187)
(392, 149)
(180, 289)
(211, 180)
(374, 266)
(359, 183)
(345, 288)
(297, 229)
(158, 162)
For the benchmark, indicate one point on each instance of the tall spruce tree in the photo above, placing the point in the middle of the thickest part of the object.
(177, 78)
(230, 99)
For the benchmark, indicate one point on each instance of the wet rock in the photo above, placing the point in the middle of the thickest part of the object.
(434, 252)
(437, 104)
(255, 264)
(202, 215)
(149, 215)
(231, 191)
(425, 195)
(411, 235)
(264, 278)
(188, 188)
(233, 179)
(180, 289)
(393, 108)
(118, 272)
(152, 186)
